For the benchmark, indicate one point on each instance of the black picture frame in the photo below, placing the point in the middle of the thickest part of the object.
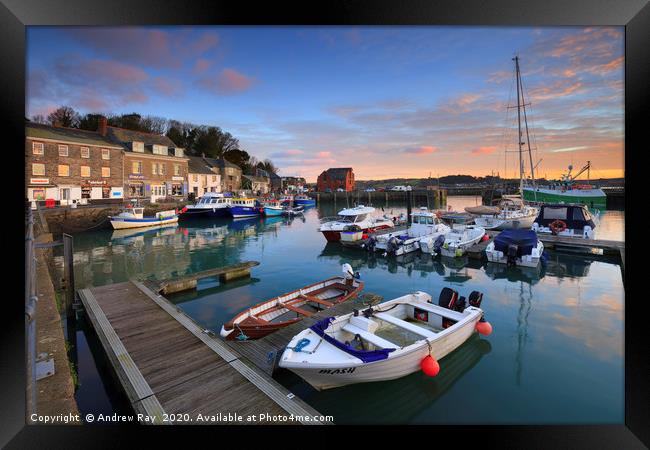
(15, 15)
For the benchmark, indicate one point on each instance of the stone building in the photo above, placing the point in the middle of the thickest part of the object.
(202, 177)
(71, 166)
(154, 168)
(231, 174)
(336, 178)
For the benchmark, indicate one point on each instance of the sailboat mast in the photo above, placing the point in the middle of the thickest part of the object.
(519, 143)
(530, 153)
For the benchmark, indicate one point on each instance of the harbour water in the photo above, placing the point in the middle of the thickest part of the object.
(555, 356)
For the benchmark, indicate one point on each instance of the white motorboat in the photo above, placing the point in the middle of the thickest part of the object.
(516, 248)
(424, 224)
(132, 217)
(571, 220)
(511, 213)
(458, 240)
(211, 204)
(388, 341)
(359, 217)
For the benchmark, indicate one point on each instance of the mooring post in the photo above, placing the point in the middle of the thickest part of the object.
(68, 273)
(408, 205)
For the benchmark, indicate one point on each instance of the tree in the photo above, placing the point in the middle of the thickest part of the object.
(90, 122)
(39, 118)
(240, 158)
(268, 165)
(154, 124)
(64, 116)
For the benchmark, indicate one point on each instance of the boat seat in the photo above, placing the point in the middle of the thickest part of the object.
(298, 310)
(317, 300)
(369, 337)
(405, 325)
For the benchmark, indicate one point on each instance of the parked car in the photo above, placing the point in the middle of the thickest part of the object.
(370, 189)
(328, 190)
(340, 190)
(398, 188)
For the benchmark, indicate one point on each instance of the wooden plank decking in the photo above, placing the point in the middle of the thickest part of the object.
(226, 273)
(167, 364)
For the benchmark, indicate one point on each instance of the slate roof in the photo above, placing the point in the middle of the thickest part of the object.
(126, 137)
(221, 163)
(256, 179)
(197, 164)
(42, 131)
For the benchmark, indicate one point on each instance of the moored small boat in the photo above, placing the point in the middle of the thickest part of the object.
(304, 200)
(279, 312)
(516, 247)
(132, 217)
(211, 204)
(292, 210)
(384, 342)
(570, 220)
(511, 213)
(424, 225)
(273, 208)
(359, 216)
(460, 238)
(245, 207)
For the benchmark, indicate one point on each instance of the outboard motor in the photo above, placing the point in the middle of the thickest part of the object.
(437, 244)
(370, 245)
(448, 298)
(392, 245)
(512, 254)
(460, 305)
(475, 299)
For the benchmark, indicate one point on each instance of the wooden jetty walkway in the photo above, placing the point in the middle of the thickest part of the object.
(225, 274)
(167, 364)
(265, 352)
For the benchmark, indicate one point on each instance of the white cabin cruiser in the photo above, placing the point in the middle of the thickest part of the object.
(424, 224)
(511, 213)
(454, 242)
(388, 341)
(516, 248)
(211, 204)
(358, 218)
(571, 220)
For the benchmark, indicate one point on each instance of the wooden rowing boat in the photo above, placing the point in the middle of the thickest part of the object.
(279, 312)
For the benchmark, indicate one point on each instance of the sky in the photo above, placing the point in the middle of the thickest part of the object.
(390, 102)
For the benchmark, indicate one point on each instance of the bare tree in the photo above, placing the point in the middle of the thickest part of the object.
(64, 116)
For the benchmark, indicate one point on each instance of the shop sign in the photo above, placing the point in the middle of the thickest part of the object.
(136, 176)
(39, 181)
(178, 178)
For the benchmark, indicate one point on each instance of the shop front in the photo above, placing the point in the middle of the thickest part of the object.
(95, 190)
(177, 187)
(135, 187)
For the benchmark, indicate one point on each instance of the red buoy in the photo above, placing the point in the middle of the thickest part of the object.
(485, 238)
(430, 366)
(484, 328)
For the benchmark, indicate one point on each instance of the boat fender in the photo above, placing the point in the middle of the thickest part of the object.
(430, 366)
(484, 327)
(485, 238)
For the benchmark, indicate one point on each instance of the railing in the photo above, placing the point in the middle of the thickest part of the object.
(30, 316)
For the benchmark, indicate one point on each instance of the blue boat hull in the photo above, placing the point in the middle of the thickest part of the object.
(245, 211)
(272, 212)
(310, 202)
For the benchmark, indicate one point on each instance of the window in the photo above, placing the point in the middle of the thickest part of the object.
(195, 178)
(136, 167)
(63, 150)
(577, 215)
(178, 152)
(106, 153)
(555, 213)
(160, 150)
(85, 152)
(37, 148)
(177, 170)
(85, 171)
(138, 147)
(38, 169)
(64, 170)
(136, 190)
(154, 169)
(106, 172)
(214, 178)
(162, 169)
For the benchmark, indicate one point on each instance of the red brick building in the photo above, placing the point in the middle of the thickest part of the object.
(335, 178)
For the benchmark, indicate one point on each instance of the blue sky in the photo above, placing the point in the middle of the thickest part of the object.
(388, 101)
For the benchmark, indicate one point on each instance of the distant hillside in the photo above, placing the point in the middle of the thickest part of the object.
(451, 180)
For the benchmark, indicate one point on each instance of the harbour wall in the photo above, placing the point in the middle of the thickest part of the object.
(433, 198)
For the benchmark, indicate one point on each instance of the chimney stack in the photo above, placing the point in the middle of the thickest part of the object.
(102, 126)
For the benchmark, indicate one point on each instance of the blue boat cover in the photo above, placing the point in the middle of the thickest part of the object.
(525, 239)
(366, 356)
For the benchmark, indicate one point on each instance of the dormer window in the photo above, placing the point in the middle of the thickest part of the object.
(138, 146)
(178, 152)
(159, 150)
